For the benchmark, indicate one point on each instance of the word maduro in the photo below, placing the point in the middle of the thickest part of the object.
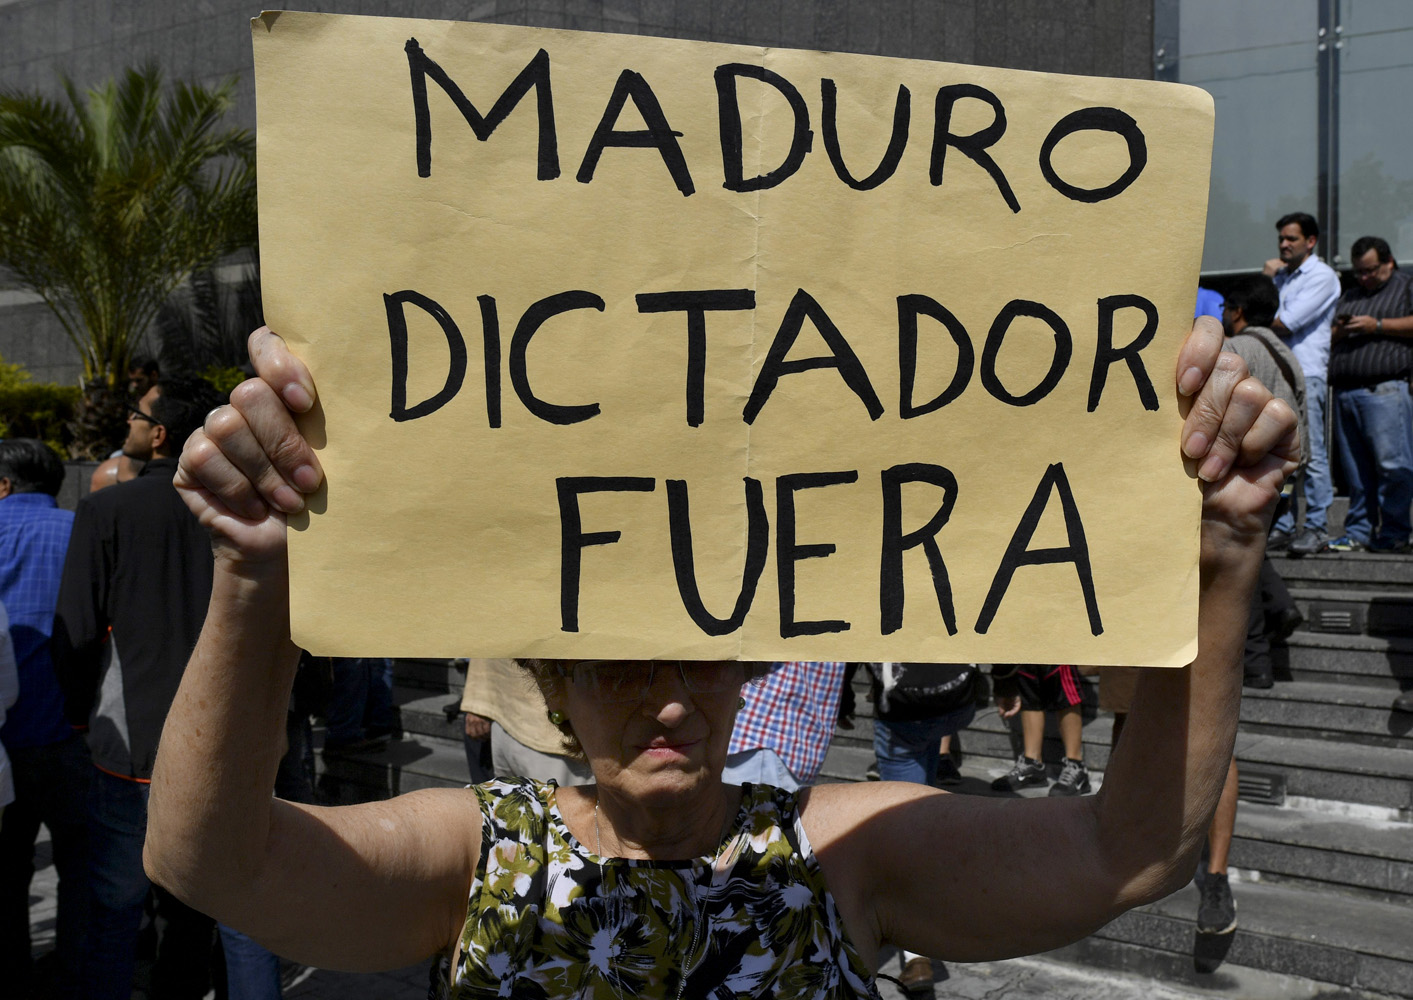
(789, 551)
(661, 136)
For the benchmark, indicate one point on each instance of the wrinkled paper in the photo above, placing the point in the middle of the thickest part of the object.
(695, 326)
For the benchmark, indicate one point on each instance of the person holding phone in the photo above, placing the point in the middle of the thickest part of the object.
(1371, 361)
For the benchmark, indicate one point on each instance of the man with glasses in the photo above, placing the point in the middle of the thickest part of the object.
(1308, 290)
(1371, 360)
(132, 599)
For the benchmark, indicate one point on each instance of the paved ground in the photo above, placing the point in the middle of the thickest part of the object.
(1014, 980)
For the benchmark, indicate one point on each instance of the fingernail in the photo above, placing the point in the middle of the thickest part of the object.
(1196, 445)
(1213, 469)
(307, 478)
(288, 500)
(297, 397)
(1190, 381)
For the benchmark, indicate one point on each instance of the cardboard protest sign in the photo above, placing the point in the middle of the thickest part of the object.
(638, 347)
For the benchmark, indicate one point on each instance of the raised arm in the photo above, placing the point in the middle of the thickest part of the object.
(972, 879)
(285, 874)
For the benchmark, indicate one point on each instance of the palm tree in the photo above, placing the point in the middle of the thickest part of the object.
(110, 201)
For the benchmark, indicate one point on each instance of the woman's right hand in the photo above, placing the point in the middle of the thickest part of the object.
(249, 466)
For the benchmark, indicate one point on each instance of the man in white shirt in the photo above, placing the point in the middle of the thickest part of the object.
(1309, 289)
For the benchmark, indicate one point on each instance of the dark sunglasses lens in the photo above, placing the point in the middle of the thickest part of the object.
(711, 676)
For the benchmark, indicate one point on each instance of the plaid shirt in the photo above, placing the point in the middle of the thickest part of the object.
(791, 711)
(34, 536)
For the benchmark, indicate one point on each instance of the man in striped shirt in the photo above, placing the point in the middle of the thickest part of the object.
(1371, 360)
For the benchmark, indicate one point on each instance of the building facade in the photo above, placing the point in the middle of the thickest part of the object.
(209, 40)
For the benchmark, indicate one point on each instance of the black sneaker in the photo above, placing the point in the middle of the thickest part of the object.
(947, 771)
(1217, 912)
(1278, 541)
(1073, 780)
(1025, 772)
(1308, 542)
(1287, 622)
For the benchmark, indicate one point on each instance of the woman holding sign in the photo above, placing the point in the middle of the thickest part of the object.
(660, 880)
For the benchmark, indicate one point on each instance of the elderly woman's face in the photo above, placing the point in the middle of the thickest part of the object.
(652, 727)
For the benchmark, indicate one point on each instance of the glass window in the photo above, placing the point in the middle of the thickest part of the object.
(1258, 60)
(1375, 141)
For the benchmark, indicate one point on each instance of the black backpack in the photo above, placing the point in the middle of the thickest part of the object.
(906, 692)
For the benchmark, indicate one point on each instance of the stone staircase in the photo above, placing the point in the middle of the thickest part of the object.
(430, 754)
(1323, 854)
(1322, 858)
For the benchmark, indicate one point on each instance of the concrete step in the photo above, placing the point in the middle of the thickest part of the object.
(1355, 851)
(1377, 661)
(431, 675)
(1311, 768)
(1354, 570)
(423, 713)
(1349, 943)
(1355, 611)
(404, 765)
(1166, 972)
(1326, 711)
(1320, 850)
(1337, 772)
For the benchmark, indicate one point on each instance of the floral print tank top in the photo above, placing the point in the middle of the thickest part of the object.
(549, 920)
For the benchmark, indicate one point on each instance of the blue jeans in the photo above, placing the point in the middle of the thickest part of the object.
(361, 696)
(117, 812)
(1374, 434)
(1315, 477)
(252, 972)
(907, 751)
(51, 788)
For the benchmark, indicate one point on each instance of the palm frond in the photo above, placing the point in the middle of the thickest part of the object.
(113, 197)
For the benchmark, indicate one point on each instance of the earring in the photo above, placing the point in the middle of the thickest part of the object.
(557, 718)
(740, 703)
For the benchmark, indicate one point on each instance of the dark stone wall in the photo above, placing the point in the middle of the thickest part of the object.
(78, 476)
(33, 336)
(209, 40)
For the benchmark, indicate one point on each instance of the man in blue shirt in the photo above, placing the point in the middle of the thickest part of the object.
(50, 761)
(1309, 289)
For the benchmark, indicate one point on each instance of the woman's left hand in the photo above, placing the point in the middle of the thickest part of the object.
(1241, 440)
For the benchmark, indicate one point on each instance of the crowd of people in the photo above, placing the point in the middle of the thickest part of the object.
(1354, 355)
(1341, 354)
(667, 800)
